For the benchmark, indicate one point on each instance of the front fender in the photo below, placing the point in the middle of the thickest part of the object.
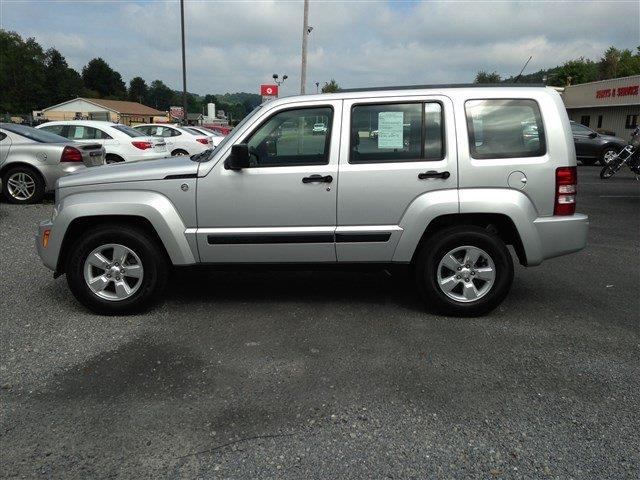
(152, 206)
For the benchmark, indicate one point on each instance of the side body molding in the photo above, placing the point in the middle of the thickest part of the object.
(153, 206)
(420, 212)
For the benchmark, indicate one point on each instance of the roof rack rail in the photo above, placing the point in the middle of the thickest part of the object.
(444, 85)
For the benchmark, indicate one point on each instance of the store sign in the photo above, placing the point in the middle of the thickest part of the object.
(631, 90)
(269, 90)
(176, 112)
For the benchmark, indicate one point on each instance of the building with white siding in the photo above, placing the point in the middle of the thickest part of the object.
(608, 106)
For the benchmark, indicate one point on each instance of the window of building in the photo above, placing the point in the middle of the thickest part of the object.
(631, 121)
(398, 132)
(585, 120)
(505, 128)
(599, 121)
(292, 137)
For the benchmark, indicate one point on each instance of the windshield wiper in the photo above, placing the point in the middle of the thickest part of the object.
(198, 157)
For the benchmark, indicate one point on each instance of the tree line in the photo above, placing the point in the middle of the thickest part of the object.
(614, 63)
(32, 78)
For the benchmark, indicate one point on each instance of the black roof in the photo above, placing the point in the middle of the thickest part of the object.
(444, 85)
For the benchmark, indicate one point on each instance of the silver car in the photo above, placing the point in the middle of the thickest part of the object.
(32, 160)
(454, 175)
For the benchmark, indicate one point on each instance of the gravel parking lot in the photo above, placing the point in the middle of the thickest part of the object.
(329, 374)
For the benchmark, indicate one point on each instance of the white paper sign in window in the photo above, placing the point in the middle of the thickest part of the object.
(390, 129)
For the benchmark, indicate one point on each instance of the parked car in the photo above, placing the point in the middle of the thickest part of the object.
(31, 161)
(446, 195)
(180, 141)
(224, 131)
(121, 142)
(592, 147)
(214, 137)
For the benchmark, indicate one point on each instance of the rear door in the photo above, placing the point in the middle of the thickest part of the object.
(393, 151)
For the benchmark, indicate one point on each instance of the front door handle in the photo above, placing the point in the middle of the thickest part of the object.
(318, 179)
(433, 174)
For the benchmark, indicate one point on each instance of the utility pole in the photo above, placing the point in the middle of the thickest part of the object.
(305, 34)
(184, 67)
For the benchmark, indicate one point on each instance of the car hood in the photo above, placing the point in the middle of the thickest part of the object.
(611, 138)
(131, 172)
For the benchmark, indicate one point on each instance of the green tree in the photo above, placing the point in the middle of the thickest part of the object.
(62, 82)
(160, 96)
(330, 87)
(138, 90)
(485, 77)
(574, 72)
(608, 66)
(22, 74)
(99, 76)
(629, 63)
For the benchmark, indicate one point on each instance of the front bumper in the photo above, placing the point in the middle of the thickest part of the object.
(49, 254)
(560, 235)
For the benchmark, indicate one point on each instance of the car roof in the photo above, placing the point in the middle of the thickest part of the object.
(90, 123)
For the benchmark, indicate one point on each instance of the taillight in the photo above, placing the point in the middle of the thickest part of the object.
(142, 145)
(71, 154)
(204, 141)
(566, 189)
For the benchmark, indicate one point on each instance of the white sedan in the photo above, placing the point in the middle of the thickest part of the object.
(180, 141)
(121, 143)
(214, 136)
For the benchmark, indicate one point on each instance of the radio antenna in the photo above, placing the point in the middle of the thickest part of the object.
(525, 66)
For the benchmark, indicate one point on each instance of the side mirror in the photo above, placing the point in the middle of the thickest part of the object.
(593, 135)
(239, 157)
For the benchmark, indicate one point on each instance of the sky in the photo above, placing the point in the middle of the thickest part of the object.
(237, 45)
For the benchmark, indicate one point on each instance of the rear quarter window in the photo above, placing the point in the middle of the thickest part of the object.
(505, 128)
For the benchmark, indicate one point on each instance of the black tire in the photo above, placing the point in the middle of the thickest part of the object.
(607, 172)
(39, 185)
(434, 249)
(179, 152)
(152, 256)
(604, 152)
(113, 158)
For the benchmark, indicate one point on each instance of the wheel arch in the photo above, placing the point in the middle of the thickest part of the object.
(8, 166)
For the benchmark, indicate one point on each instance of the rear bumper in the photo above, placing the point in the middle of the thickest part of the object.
(560, 235)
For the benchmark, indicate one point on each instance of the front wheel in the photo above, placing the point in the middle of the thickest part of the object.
(464, 271)
(608, 171)
(117, 270)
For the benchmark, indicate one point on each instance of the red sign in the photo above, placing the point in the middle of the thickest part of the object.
(176, 112)
(269, 90)
(618, 92)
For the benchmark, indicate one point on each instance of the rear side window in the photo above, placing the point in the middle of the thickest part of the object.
(57, 129)
(505, 128)
(398, 132)
(81, 132)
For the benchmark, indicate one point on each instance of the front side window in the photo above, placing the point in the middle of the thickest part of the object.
(509, 128)
(398, 132)
(290, 138)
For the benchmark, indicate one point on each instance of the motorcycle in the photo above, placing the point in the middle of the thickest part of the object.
(629, 155)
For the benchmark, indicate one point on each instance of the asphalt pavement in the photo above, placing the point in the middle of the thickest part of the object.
(329, 374)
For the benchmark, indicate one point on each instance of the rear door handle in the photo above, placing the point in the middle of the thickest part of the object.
(318, 179)
(433, 174)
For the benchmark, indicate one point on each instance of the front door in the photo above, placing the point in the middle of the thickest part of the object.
(282, 208)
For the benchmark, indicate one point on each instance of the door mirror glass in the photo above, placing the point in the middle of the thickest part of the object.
(239, 157)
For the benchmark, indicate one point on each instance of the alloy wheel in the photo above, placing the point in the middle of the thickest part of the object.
(608, 156)
(21, 186)
(466, 274)
(113, 272)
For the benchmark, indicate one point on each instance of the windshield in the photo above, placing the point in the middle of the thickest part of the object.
(129, 131)
(40, 136)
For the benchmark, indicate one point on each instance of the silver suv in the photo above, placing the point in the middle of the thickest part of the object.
(439, 178)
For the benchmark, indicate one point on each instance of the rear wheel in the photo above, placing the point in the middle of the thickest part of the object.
(116, 270)
(464, 271)
(22, 185)
(113, 158)
(179, 153)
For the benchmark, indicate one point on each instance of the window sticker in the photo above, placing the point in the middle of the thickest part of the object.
(79, 132)
(390, 129)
